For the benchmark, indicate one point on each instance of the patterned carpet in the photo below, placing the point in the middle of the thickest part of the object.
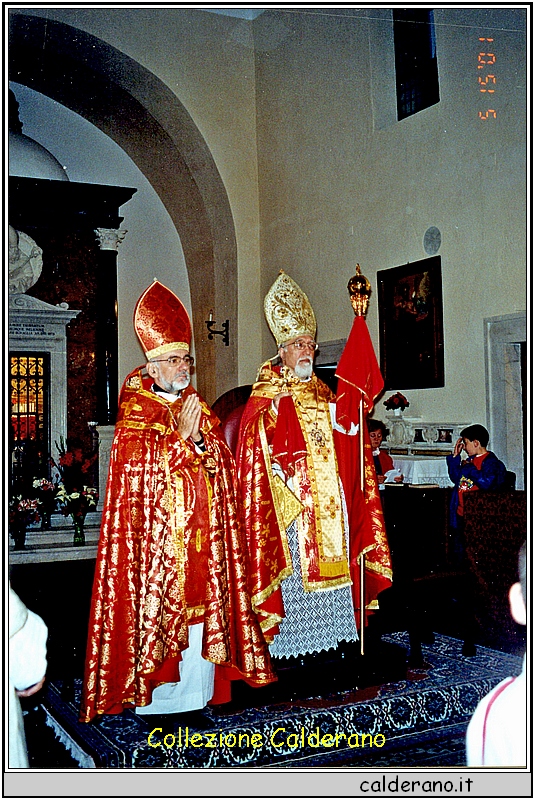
(416, 722)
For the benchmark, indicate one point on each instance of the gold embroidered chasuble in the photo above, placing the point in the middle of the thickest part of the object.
(316, 483)
(171, 552)
(306, 488)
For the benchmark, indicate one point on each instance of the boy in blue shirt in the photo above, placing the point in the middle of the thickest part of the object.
(481, 470)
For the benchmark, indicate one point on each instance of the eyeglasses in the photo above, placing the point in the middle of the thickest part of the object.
(300, 345)
(175, 361)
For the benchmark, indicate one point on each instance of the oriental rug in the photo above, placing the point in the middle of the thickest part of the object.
(416, 722)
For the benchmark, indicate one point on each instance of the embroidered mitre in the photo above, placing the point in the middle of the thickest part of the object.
(161, 321)
(288, 311)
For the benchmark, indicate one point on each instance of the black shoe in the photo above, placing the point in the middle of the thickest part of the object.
(469, 649)
(427, 637)
(415, 659)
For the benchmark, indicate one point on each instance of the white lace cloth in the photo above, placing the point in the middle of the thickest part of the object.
(314, 621)
(423, 470)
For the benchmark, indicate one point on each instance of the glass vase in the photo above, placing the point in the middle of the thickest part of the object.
(19, 535)
(45, 520)
(79, 533)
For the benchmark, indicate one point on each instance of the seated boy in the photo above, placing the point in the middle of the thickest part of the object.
(497, 732)
(481, 470)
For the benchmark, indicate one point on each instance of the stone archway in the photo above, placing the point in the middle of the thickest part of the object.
(139, 112)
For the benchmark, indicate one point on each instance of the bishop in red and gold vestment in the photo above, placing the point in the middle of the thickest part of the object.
(295, 510)
(170, 597)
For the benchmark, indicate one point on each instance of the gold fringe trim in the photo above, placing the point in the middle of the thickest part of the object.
(262, 596)
(333, 570)
(327, 586)
(166, 348)
(142, 426)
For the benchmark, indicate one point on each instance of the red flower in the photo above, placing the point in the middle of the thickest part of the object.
(396, 400)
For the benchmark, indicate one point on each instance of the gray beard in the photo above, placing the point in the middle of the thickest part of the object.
(303, 370)
(173, 387)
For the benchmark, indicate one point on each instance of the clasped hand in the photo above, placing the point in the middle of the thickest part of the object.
(189, 419)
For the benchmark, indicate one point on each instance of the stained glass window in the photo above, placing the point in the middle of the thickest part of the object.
(29, 387)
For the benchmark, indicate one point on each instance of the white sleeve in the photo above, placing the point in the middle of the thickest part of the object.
(474, 735)
(336, 427)
(27, 653)
(496, 734)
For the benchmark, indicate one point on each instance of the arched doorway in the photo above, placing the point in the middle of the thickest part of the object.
(139, 112)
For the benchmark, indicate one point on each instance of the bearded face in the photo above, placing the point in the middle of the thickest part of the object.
(171, 377)
(299, 356)
(303, 368)
(174, 386)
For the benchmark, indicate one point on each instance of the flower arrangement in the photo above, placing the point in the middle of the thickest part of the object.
(73, 467)
(76, 504)
(23, 511)
(396, 401)
(34, 499)
(44, 486)
(46, 498)
(74, 497)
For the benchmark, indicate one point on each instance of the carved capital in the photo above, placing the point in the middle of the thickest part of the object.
(110, 238)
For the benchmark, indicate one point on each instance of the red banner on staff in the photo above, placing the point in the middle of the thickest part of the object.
(359, 378)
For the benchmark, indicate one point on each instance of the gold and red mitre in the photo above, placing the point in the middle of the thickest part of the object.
(288, 310)
(161, 321)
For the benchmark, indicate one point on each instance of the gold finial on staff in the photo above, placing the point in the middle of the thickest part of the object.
(359, 289)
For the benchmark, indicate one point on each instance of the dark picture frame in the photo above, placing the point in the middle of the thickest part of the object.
(411, 325)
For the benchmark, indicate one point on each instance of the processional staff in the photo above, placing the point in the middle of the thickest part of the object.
(360, 289)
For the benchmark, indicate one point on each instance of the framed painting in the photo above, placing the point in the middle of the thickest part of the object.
(411, 325)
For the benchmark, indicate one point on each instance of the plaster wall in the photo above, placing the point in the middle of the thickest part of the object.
(151, 247)
(207, 60)
(341, 181)
(337, 180)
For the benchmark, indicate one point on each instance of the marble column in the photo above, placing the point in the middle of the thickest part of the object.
(109, 240)
(105, 439)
